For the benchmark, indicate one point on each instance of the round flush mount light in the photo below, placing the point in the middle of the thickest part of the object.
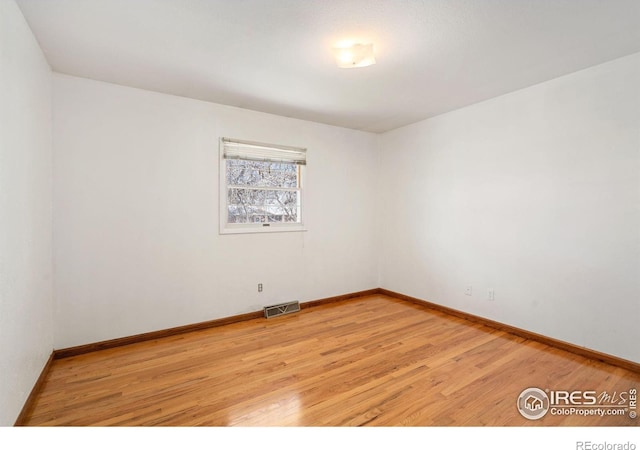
(354, 55)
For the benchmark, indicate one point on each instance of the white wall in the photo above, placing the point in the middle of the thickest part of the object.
(136, 243)
(535, 194)
(26, 321)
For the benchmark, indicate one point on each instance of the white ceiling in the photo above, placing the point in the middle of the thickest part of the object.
(275, 55)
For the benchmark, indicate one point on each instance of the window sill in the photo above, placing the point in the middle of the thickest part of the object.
(260, 230)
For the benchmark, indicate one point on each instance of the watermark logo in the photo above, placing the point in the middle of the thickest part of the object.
(533, 403)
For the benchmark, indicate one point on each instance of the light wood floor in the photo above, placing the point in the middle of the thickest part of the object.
(370, 361)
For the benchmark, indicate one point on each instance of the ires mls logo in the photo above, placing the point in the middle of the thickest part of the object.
(534, 403)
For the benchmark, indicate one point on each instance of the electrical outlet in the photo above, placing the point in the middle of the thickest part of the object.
(468, 290)
(491, 295)
(259, 287)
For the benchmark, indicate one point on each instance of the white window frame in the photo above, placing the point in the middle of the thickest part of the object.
(243, 228)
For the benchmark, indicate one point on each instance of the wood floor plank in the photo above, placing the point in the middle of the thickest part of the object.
(370, 361)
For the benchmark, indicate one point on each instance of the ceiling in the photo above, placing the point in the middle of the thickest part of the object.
(275, 56)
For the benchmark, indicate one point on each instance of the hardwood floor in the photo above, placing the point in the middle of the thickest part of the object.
(373, 361)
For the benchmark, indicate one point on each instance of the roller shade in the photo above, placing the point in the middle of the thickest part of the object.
(255, 151)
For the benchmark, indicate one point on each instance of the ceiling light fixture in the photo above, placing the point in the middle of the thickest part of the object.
(354, 55)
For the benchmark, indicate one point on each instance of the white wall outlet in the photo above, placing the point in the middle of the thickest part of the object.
(468, 290)
(491, 295)
(259, 287)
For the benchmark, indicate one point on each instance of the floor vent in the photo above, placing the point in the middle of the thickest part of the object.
(282, 308)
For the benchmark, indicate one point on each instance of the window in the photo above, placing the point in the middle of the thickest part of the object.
(260, 187)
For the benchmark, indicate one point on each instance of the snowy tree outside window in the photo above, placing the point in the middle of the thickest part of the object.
(262, 186)
(262, 191)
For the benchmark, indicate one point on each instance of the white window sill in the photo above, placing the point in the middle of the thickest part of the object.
(259, 230)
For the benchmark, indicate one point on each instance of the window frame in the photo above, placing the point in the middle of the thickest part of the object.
(245, 228)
